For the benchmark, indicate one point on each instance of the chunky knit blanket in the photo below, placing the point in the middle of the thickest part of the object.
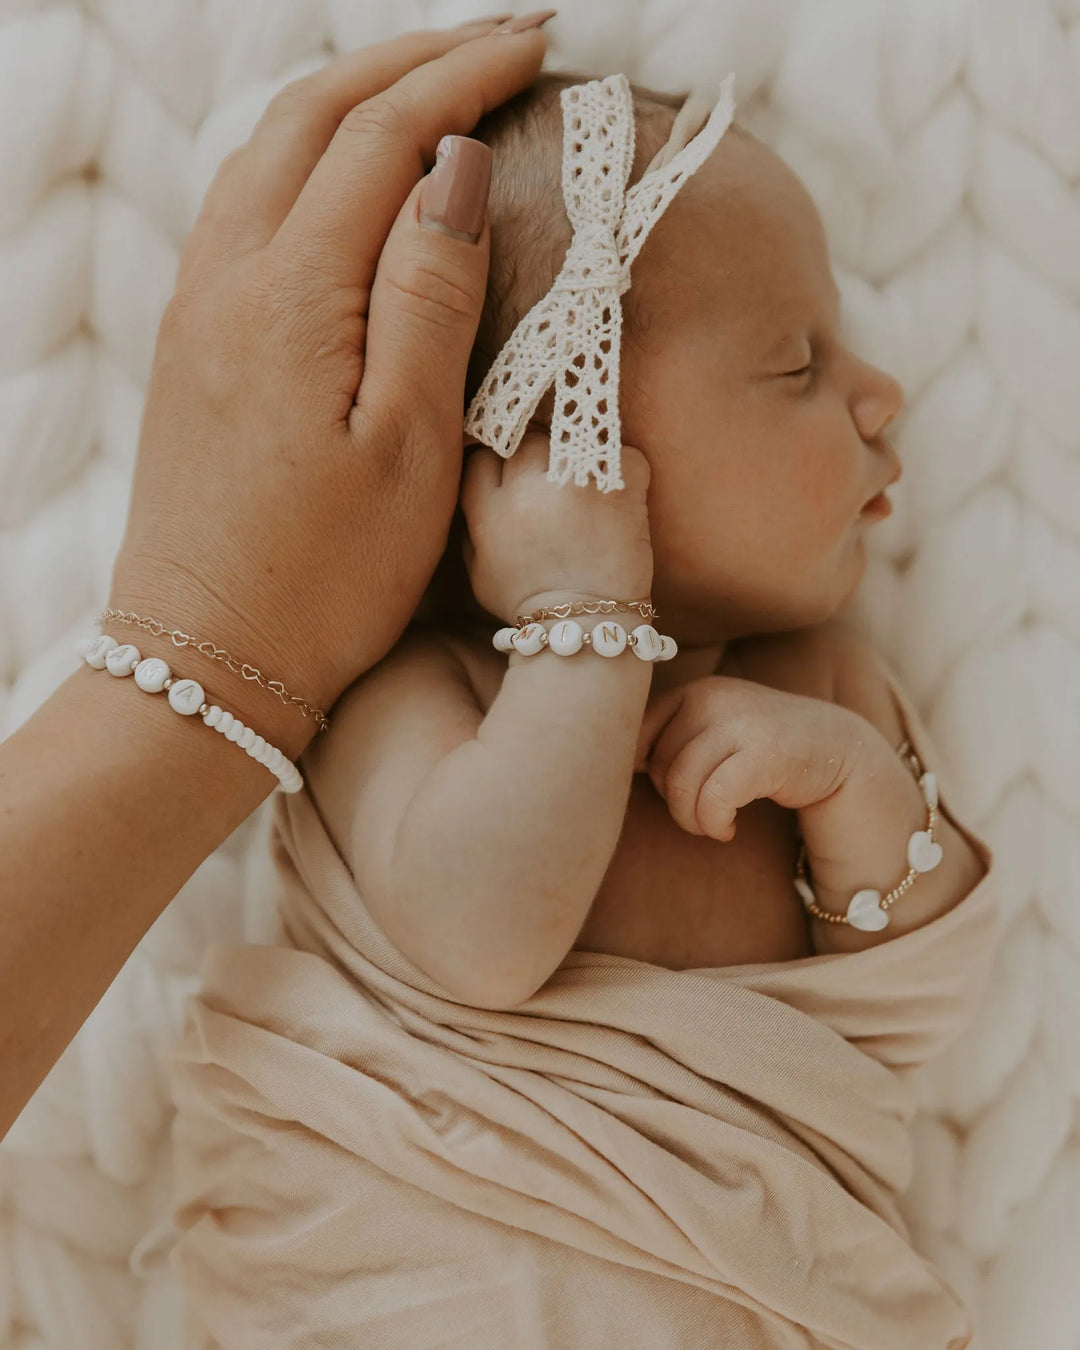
(942, 144)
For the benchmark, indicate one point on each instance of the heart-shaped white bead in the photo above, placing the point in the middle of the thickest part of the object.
(804, 890)
(922, 853)
(865, 911)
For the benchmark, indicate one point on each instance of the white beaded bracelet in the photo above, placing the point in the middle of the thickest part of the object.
(867, 908)
(186, 697)
(568, 637)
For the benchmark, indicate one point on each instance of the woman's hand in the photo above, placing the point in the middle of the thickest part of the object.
(531, 542)
(718, 743)
(300, 452)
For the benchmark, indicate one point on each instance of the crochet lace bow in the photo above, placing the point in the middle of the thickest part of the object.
(572, 336)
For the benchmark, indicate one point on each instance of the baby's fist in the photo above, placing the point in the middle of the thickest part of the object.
(718, 743)
(530, 537)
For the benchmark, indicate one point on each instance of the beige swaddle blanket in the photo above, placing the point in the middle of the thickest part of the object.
(636, 1157)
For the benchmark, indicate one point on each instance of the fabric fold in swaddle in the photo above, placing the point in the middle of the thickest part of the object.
(639, 1156)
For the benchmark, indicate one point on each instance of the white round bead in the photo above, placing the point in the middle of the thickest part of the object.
(97, 649)
(247, 738)
(647, 642)
(235, 731)
(212, 715)
(566, 638)
(609, 639)
(122, 660)
(151, 674)
(530, 639)
(225, 721)
(186, 696)
(668, 648)
(258, 745)
(503, 641)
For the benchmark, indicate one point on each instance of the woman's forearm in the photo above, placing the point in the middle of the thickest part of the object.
(505, 844)
(109, 801)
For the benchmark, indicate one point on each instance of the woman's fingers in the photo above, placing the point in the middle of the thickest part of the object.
(338, 224)
(426, 299)
(257, 185)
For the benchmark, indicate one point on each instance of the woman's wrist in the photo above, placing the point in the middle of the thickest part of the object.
(280, 725)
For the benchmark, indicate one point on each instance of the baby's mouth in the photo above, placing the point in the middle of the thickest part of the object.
(877, 508)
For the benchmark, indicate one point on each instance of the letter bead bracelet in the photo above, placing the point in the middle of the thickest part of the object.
(867, 908)
(186, 697)
(568, 637)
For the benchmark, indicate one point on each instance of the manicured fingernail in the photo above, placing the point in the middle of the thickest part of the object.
(487, 18)
(527, 21)
(455, 192)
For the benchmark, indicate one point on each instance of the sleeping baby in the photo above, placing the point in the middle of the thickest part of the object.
(608, 946)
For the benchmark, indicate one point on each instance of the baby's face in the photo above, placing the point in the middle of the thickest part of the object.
(759, 468)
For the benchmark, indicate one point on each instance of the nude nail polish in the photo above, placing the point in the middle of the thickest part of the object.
(454, 196)
(527, 21)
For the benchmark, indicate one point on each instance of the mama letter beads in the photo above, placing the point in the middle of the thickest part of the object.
(186, 697)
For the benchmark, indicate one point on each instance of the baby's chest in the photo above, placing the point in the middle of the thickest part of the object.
(681, 900)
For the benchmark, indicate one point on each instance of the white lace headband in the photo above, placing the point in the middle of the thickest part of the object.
(573, 334)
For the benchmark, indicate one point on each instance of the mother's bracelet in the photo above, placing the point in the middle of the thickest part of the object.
(152, 675)
(244, 668)
(867, 909)
(568, 637)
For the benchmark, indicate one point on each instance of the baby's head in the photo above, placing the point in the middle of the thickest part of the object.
(763, 431)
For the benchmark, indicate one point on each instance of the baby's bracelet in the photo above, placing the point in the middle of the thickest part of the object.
(103, 652)
(567, 637)
(867, 908)
(571, 607)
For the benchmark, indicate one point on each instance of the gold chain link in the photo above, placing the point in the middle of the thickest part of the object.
(249, 672)
(906, 751)
(563, 611)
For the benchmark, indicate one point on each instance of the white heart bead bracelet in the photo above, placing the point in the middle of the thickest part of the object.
(186, 697)
(867, 907)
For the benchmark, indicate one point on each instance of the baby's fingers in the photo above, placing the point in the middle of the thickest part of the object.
(660, 712)
(681, 784)
(733, 783)
(480, 478)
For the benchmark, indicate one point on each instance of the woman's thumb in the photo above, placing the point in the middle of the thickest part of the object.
(429, 289)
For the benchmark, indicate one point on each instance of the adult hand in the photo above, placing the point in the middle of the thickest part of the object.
(300, 454)
(298, 467)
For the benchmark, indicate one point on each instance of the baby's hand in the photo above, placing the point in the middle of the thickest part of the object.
(533, 542)
(715, 744)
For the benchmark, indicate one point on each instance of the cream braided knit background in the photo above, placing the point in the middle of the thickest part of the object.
(941, 140)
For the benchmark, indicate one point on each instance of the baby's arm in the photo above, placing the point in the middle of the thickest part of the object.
(718, 743)
(869, 815)
(478, 843)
